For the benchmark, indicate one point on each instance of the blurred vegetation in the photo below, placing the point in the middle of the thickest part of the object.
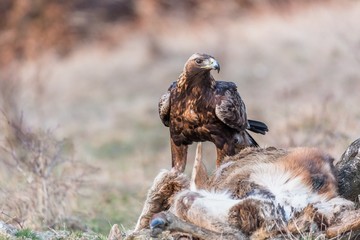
(47, 177)
(26, 234)
(30, 28)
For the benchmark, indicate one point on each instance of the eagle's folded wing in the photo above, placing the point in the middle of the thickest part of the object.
(164, 106)
(230, 108)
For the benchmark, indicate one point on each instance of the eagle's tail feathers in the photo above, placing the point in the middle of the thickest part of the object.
(258, 127)
(252, 140)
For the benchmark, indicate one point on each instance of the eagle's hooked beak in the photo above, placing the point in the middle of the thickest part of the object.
(214, 64)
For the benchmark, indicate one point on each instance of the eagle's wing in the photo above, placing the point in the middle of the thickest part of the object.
(164, 106)
(230, 108)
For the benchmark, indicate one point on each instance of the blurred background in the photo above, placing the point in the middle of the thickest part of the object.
(80, 80)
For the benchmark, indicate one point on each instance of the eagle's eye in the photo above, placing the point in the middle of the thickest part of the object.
(198, 61)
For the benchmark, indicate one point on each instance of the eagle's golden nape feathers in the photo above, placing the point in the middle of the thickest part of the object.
(196, 108)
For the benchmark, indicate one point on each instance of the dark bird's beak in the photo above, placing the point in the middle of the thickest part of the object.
(215, 65)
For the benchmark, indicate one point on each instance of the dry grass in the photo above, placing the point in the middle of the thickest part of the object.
(297, 70)
(40, 178)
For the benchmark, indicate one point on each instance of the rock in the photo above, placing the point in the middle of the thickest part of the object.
(348, 169)
(7, 230)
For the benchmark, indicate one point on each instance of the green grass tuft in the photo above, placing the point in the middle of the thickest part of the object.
(26, 234)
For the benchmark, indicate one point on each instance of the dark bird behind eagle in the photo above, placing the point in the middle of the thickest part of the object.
(197, 108)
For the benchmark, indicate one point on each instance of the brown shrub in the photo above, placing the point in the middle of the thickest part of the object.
(40, 176)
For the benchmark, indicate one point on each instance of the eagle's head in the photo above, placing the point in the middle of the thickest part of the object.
(199, 63)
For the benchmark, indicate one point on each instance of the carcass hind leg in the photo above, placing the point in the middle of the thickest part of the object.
(220, 157)
(178, 156)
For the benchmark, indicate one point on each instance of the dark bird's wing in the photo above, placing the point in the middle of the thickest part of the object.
(164, 106)
(230, 108)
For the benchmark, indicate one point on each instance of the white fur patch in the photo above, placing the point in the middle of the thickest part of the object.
(334, 206)
(193, 186)
(289, 190)
(216, 205)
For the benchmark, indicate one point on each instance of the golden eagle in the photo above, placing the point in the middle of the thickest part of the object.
(197, 108)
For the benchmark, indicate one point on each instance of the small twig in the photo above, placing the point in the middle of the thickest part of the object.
(53, 230)
(12, 218)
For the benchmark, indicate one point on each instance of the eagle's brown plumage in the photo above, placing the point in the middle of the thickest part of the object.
(197, 108)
